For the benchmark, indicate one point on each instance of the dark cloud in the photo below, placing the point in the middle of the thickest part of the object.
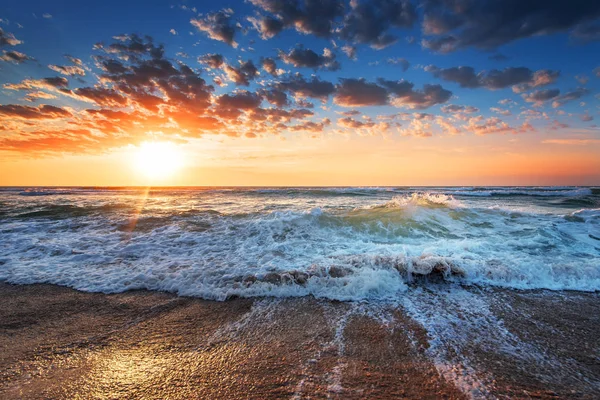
(269, 65)
(243, 74)
(540, 96)
(275, 97)
(140, 91)
(587, 32)
(304, 103)
(570, 96)
(101, 96)
(268, 27)
(242, 100)
(300, 87)
(301, 57)
(15, 57)
(149, 80)
(454, 108)
(131, 47)
(8, 39)
(405, 95)
(520, 78)
(52, 83)
(542, 77)
(352, 123)
(311, 126)
(217, 26)
(28, 112)
(306, 16)
(404, 64)
(358, 92)
(488, 24)
(213, 61)
(368, 22)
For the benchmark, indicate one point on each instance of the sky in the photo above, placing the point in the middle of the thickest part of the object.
(300, 92)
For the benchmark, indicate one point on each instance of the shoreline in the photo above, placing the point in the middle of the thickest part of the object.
(440, 343)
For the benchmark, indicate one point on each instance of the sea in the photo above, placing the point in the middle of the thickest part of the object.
(339, 243)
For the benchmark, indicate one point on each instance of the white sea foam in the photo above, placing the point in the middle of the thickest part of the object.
(217, 245)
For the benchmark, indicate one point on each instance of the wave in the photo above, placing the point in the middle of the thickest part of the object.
(526, 192)
(364, 248)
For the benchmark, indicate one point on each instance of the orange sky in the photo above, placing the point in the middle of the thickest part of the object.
(328, 160)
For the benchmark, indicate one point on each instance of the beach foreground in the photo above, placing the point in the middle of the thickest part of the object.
(64, 344)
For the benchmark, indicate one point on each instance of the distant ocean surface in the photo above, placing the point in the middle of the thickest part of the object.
(354, 243)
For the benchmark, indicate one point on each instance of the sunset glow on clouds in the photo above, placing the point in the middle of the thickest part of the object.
(298, 92)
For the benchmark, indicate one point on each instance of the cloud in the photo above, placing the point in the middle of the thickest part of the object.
(368, 22)
(400, 61)
(8, 39)
(453, 109)
(350, 51)
(501, 111)
(14, 57)
(311, 126)
(68, 70)
(276, 97)
(405, 95)
(540, 96)
(243, 100)
(586, 117)
(301, 57)
(313, 88)
(483, 126)
(213, 61)
(51, 83)
(306, 16)
(37, 95)
(582, 79)
(358, 92)
(173, 32)
(47, 16)
(487, 24)
(27, 112)
(520, 78)
(542, 77)
(217, 26)
(243, 74)
(587, 32)
(349, 122)
(569, 96)
(269, 65)
(104, 97)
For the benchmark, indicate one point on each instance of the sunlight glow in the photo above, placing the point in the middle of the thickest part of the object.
(158, 160)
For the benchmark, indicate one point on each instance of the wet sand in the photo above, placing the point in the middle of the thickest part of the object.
(447, 342)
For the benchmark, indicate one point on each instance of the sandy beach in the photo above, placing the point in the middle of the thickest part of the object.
(64, 344)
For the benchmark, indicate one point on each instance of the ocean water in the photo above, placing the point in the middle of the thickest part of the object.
(346, 244)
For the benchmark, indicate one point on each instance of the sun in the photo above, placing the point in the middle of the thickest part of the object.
(158, 160)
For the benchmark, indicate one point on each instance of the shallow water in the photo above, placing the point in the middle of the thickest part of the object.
(336, 243)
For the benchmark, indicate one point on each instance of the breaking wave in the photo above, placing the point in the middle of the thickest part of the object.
(246, 243)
